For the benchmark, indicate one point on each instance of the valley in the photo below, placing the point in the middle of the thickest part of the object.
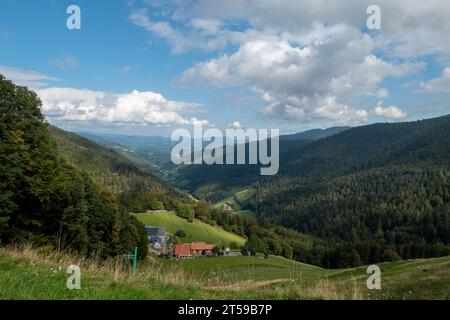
(358, 192)
(344, 198)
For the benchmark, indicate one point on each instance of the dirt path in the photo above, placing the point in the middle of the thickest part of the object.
(248, 284)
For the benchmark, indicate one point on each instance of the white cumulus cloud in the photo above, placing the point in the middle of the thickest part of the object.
(310, 76)
(441, 84)
(391, 112)
(133, 108)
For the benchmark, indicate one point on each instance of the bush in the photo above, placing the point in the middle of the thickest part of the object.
(234, 245)
(390, 255)
(180, 234)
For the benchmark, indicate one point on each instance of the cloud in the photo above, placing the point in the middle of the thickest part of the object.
(441, 84)
(383, 93)
(210, 26)
(125, 69)
(70, 104)
(308, 76)
(391, 112)
(28, 78)
(418, 28)
(197, 34)
(162, 29)
(66, 62)
(353, 62)
(235, 125)
(139, 108)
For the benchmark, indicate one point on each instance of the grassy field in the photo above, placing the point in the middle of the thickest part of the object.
(195, 231)
(26, 273)
(254, 268)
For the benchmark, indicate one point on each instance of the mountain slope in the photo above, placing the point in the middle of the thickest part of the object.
(374, 189)
(216, 182)
(373, 193)
(422, 142)
(108, 167)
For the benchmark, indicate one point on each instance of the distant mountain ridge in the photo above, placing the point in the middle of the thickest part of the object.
(144, 144)
(314, 134)
(374, 145)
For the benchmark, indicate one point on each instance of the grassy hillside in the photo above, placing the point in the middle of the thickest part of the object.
(27, 274)
(195, 231)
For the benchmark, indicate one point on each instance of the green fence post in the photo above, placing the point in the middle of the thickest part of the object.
(134, 259)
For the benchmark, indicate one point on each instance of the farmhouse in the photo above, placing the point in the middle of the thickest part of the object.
(201, 248)
(227, 207)
(182, 250)
(156, 236)
(192, 249)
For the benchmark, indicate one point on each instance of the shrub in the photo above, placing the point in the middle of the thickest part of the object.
(390, 255)
(180, 234)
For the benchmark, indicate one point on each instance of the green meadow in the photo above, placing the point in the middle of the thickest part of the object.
(195, 231)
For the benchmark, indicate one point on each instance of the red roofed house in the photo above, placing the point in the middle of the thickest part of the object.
(182, 250)
(201, 248)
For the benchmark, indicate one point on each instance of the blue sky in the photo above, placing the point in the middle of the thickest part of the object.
(149, 67)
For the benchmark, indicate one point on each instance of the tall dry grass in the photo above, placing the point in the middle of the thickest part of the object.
(151, 269)
(328, 290)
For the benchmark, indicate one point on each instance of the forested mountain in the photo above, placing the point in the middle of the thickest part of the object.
(107, 166)
(150, 152)
(153, 153)
(216, 182)
(419, 143)
(372, 193)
